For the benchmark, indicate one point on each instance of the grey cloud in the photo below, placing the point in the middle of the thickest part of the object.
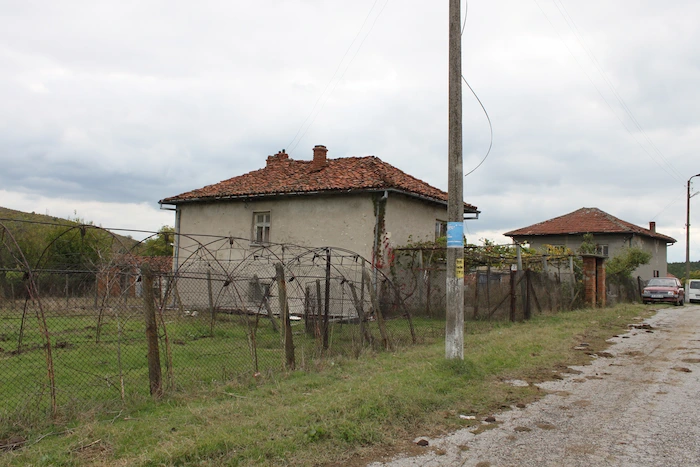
(130, 103)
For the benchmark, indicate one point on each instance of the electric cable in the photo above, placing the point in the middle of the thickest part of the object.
(327, 96)
(579, 37)
(603, 97)
(490, 128)
(466, 9)
(668, 206)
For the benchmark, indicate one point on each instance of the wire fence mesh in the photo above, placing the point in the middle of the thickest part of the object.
(97, 325)
(89, 322)
(500, 283)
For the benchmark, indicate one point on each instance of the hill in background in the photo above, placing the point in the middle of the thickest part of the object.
(34, 232)
(6, 213)
(678, 269)
(69, 246)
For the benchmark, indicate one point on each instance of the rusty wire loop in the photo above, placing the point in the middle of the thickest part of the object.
(76, 315)
(217, 306)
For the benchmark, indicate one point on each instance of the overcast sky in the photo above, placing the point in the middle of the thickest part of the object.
(109, 106)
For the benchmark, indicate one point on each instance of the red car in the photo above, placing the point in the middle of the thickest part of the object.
(664, 290)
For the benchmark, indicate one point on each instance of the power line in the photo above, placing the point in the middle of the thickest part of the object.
(490, 128)
(674, 176)
(579, 37)
(292, 144)
(668, 205)
(464, 25)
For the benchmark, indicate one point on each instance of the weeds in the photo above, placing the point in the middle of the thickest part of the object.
(351, 408)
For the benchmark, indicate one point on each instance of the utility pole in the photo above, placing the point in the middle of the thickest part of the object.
(454, 323)
(687, 234)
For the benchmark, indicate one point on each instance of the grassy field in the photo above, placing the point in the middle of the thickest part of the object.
(100, 362)
(344, 412)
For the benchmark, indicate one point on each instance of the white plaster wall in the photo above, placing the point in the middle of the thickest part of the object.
(345, 221)
(615, 244)
(410, 217)
(658, 260)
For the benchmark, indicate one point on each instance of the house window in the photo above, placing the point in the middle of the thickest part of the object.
(261, 227)
(440, 229)
(656, 273)
(602, 249)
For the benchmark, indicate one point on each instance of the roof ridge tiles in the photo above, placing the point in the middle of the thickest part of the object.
(586, 220)
(286, 176)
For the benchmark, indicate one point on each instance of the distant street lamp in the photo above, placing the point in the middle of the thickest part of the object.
(687, 233)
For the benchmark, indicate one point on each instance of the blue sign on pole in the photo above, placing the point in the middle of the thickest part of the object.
(455, 235)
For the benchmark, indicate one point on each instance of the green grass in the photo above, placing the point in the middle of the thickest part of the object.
(90, 367)
(344, 410)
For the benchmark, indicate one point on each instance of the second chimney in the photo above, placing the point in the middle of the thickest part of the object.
(652, 226)
(319, 157)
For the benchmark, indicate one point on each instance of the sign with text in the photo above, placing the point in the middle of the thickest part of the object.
(455, 234)
(459, 268)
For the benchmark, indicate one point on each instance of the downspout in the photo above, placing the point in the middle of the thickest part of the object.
(176, 246)
(376, 237)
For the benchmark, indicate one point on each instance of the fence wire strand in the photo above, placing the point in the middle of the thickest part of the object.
(90, 323)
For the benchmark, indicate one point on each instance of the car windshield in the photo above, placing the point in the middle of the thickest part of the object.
(661, 283)
(695, 285)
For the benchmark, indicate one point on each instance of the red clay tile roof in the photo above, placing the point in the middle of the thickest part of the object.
(585, 220)
(286, 176)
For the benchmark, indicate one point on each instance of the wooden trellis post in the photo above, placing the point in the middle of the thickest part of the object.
(154, 370)
(360, 314)
(377, 311)
(286, 324)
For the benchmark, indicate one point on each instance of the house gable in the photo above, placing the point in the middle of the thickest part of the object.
(582, 221)
(283, 176)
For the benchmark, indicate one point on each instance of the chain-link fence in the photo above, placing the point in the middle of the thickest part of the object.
(500, 283)
(89, 324)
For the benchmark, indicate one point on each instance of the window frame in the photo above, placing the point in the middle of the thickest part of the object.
(265, 224)
(440, 228)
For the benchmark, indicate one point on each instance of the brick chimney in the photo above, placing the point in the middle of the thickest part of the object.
(277, 158)
(319, 161)
(652, 226)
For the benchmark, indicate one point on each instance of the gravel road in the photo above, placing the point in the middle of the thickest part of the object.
(637, 406)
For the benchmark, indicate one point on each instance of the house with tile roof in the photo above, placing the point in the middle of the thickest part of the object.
(610, 234)
(359, 203)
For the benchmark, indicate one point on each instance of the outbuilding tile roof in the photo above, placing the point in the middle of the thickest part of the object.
(586, 220)
(287, 176)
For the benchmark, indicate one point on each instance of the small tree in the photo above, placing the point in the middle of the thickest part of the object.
(160, 244)
(588, 245)
(621, 266)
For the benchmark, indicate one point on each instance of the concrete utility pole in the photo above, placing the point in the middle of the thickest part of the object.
(454, 324)
(687, 233)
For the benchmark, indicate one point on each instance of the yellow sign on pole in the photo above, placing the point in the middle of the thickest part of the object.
(459, 268)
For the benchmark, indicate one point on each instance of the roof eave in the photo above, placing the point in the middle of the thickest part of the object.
(669, 240)
(203, 199)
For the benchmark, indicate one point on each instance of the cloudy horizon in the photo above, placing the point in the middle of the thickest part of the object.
(112, 106)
